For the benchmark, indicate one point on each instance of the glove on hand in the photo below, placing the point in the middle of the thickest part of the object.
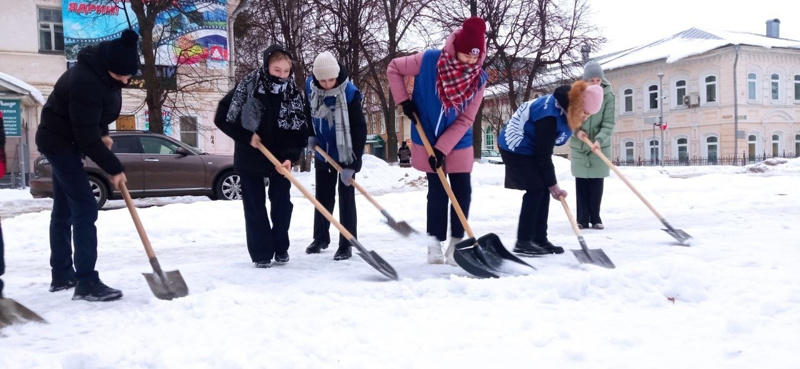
(346, 175)
(409, 108)
(312, 143)
(436, 160)
(557, 192)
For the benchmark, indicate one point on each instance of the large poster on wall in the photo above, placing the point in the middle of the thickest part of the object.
(190, 32)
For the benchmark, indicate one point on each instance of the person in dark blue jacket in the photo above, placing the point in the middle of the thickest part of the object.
(526, 145)
(341, 130)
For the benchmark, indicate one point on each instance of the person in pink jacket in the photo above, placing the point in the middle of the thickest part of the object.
(448, 90)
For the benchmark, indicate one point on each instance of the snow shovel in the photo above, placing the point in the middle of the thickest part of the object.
(165, 285)
(485, 257)
(12, 312)
(401, 227)
(586, 255)
(371, 257)
(678, 234)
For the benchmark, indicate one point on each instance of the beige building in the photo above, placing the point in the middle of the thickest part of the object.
(32, 52)
(720, 94)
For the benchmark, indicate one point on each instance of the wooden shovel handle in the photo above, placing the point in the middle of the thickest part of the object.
(616, 170)
(308, 195)
(569, 215)
(443, 178)
(136, 221)
(355, 184)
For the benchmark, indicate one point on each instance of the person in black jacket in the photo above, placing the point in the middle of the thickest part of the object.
(85, 100)
(265, 107)
(526, 145)
(341, 130)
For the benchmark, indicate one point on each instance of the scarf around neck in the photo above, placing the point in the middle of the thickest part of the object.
(456, 82)
(290, 113)
(337, 116)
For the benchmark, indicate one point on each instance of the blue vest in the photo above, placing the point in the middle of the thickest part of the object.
(518, 136)
(433, 118)
(326, 133)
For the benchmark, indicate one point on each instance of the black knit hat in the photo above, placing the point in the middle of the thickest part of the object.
(122, 54)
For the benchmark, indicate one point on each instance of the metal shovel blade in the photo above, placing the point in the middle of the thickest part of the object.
(488, 258)
(678, 234)
(374, 260)
(167, 285)
(592, 256)
(401, 227)
(12, 312)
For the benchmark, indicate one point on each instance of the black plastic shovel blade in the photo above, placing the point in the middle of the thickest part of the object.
(12, 312)
(592, 256)
(488, 258)
(167, 286)
(373, 259)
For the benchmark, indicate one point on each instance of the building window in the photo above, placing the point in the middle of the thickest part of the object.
(629, 153)
(489, 138)
(683, 150)
(711, 89)
(51, 30)
(653, 150)
(712, 148)
(797, 146)
(775, 86)
(652, 96)
(628, 96)
(189, 130)
(797, 88)
(751, 86)
(680, 92)
(752, 141)
(776, 145)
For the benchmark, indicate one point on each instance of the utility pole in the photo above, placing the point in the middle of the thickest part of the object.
(661, 115)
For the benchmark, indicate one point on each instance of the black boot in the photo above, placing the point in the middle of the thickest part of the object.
(343, 253)
(315, 247)
(56, 286)
(281, 257)
(553, 249)
(95, 291)
(529, 248)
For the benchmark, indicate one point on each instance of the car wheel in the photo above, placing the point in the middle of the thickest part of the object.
(99, 190)
(228, 187)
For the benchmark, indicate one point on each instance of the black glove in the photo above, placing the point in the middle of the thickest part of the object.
(409, 108)
(436, 160)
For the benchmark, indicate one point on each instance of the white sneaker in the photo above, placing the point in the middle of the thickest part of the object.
(451, 249)
(435, 254)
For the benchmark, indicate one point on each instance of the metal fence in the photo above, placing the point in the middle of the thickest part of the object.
(744, 159)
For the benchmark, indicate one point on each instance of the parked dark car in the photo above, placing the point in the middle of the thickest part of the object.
(155, 166)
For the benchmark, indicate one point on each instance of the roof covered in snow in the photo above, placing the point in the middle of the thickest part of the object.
(20, 87)
(693, 41)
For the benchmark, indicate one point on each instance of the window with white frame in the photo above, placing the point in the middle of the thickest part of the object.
(680, 92)
(627, 96)
(682, 144)
(189, 130)
(776, 144)
(752, 80)
(796, 87)
(51, 30)
(752, 146)
(710, 89)
(712, 148)
(653, 150)
(628, 152)
(489, 139)
(775, 86)
(652, 97)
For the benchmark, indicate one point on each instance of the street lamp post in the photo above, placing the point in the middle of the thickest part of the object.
(661, 116)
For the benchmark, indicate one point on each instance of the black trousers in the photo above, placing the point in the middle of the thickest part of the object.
(327, 180)
(533, 216)
(438, 203)
(589, 195)
(263, 239)
(2, 260)
(72, 220)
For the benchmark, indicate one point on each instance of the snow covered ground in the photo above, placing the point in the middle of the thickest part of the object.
(731, 300)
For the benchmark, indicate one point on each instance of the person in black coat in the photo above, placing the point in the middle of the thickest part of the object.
(340, 129)
(266, 107)
(85, 100)
(404, 153)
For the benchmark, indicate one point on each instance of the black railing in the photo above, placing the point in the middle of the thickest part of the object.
(745, 159)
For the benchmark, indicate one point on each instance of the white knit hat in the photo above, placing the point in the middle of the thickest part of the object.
(325, 66)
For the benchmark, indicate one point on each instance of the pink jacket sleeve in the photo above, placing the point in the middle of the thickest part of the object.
(400, 68)
(456, 131)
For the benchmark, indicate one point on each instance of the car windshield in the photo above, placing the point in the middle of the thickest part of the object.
(490, 153)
